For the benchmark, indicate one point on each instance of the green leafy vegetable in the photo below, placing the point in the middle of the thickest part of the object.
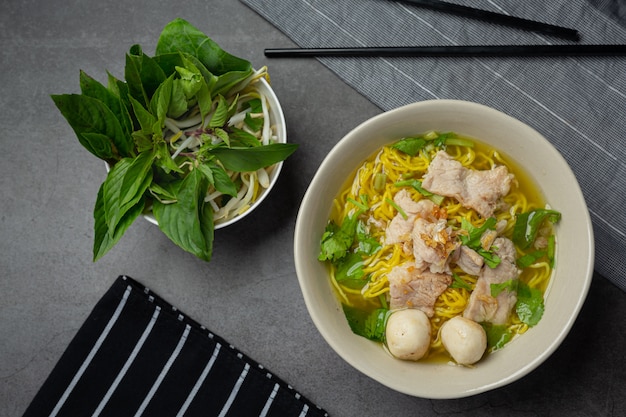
(410, 146)
(417, 185)
(413, 145)
(337, 240)
(251, 159)
(397, 207)
(509, 285)
(189, 221)
(527, 225)
(473, 240)
(350, 271)
(497, 335)
(529, 305)
(528, 259)
(367, 245)
(369, 325)
(173, 131)
(458, 282)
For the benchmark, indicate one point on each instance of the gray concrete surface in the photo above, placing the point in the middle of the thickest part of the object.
(249, 292)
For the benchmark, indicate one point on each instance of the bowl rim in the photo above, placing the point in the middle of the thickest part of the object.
(311, 302)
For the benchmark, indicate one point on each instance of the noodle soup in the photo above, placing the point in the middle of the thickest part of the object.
(365, 257)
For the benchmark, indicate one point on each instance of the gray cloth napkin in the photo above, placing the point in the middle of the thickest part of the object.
(578, 103)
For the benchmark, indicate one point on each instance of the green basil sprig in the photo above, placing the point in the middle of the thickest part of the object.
(123, 123)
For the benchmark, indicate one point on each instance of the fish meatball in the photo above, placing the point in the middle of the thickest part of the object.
(408, 334)
(464, 339)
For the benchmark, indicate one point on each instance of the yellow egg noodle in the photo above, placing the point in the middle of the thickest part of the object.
(395, 166)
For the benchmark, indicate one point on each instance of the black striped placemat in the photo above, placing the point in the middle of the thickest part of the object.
(137, 355)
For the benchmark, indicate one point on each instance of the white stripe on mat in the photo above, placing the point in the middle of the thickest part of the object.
(235, 390)
(269, 401)
(200, 381)
(92, 353)
(129, 361)
(164, 371)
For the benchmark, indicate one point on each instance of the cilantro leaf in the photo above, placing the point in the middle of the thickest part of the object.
(510, 285)
(337, 240)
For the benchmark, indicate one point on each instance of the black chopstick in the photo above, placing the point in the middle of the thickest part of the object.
(452, 51)
(498, 18)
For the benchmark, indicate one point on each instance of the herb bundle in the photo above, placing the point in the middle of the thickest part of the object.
(186, 134)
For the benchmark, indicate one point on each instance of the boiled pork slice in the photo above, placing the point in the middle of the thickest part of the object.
(482, 307)
(433, 242)
(479, 190)
(470, 261)
(411, 288)
(399, 229)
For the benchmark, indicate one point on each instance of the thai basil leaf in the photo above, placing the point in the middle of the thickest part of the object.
(124, 187)
(254, 123)
(251, 159)
(188, 222)
(145, 119)
(220, 116)
(92, 88)
(95, 125)
(164, 193)
(104, 240)
(218, 178)
(163, 158)
(161, 99)
(241, 138)
(180, 36)
(98, 139)
(179, 104)
(190, 80)
(143, 75)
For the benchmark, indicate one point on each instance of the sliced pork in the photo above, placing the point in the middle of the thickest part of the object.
(433, 242)
(411, 288)
(479, 190)
(482, 307)
(400, 228)
(470, 261)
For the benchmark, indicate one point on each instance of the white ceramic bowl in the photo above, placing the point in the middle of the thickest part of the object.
(277, 118)
(564, 297)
